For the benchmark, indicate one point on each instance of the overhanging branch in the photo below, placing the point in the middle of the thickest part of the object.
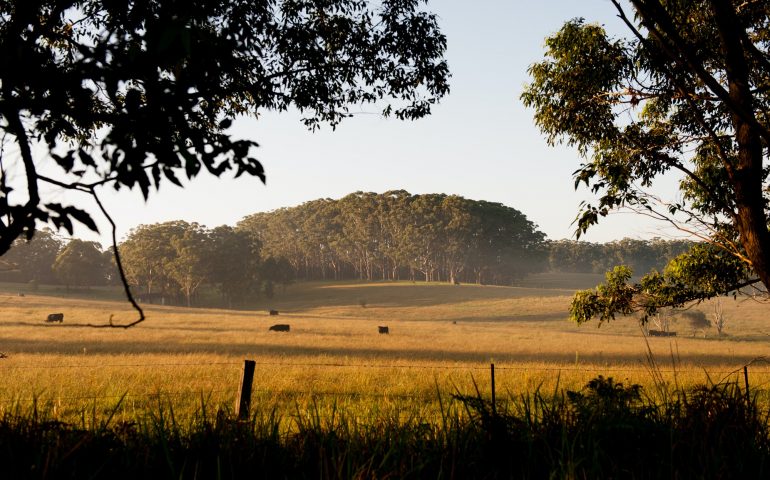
(119, 263)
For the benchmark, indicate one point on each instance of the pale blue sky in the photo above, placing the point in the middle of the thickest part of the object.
(480, 142)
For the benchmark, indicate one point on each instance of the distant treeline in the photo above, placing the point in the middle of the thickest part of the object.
(365, 236)
(586, 257)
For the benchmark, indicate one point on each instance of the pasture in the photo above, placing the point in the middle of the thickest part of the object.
(441, 341)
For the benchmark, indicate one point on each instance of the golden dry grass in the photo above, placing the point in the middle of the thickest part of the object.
(442, 339)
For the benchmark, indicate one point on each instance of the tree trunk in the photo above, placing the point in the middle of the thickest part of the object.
(746, 175)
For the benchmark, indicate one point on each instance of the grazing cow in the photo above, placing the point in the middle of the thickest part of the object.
(661, 333)
(280, 327)
(272, 312)
(383, 329)
(55, 317)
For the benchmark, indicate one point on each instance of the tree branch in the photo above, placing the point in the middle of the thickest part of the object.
(119, 263)
(652, 14)
(16, 226)
(689, 98)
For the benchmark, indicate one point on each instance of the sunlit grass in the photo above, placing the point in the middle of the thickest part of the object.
(442, 340)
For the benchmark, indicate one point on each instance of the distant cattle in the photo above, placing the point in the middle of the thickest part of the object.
(21, 294)
(661, 333)
(383, 329)
(272, 312)
(281, 327)
(55, 317)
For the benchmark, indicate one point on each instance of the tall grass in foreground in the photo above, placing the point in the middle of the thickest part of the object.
(605, 430)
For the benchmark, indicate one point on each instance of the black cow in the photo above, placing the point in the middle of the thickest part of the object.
(661, 333)
(383, 329)
(280, 327)
(55, 317)
(272, 312)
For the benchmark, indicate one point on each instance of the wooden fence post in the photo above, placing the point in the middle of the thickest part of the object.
(494, 403)
(746, 382)
(243, 402)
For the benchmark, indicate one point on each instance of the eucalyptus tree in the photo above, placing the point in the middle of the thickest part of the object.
(147, 253)
(461, 229)
(190, 262)
(32, 260)
(320, 229)
(361, 231)
(508, 245)
(234, 261)
(371, 236)
(685, 92)
(425, 235)
(395, 215)
(575, 256)
(81, 263)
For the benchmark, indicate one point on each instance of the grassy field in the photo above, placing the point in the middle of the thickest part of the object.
(442, 339)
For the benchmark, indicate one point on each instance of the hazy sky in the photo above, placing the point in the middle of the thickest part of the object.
(480, 142)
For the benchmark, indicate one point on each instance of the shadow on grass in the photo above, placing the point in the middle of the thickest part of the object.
(247, 349)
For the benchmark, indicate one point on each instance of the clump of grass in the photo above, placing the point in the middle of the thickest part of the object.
(612, 430)
(605, 430)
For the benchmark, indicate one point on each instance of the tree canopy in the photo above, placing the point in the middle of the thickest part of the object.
(132, 94)
(397, 235)
(81, 263)
(687, 91)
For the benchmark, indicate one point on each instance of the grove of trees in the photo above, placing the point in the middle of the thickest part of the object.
(169, 262)
(397, 235)
(46, 259)
(362, 236)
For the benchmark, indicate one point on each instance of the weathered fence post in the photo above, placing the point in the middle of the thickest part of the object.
(746, 382)
(494, 403)
(243, 402)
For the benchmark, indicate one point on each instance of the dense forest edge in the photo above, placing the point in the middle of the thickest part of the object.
(362, 236)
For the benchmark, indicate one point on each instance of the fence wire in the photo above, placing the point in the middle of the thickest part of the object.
(459, 368)
(760, 367)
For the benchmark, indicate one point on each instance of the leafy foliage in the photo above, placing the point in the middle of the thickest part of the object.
(134, 94)
(686, 93)
(703, 272)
